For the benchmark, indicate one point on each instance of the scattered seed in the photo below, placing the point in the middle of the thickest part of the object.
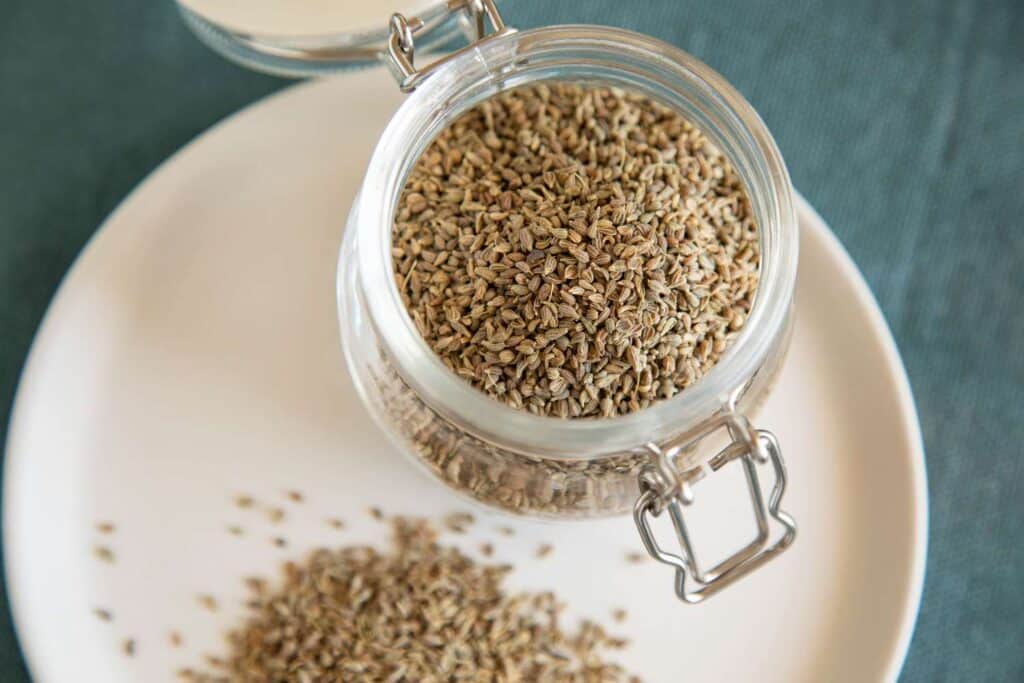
(256, 585)
(276, 515)
(105, 527)
(295, 496)
(377, 513)
(235, 530)
(104, 553)
(128, 647)
(459, 522)
(244, 501)
(636, 558)
(280, 542)
(215, 662)
(103, 614)
(175, 638)
(619, 614)
(208, 601)
(544, 550)
(487, 549)
(335, 523)
(506, 531)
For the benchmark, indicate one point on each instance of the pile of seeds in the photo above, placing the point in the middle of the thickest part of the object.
(576, 251)
(422, 612)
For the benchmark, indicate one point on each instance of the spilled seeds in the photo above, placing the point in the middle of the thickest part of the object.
(417, 612)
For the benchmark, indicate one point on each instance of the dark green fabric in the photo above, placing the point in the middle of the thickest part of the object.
(902, 122)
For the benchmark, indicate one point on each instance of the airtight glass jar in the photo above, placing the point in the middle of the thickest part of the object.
(510, 459)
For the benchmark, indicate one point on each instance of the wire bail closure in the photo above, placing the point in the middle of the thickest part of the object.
(664, 487)
(401, 47)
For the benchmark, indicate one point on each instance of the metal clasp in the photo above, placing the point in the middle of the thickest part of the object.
(664, 486)
(401, 44)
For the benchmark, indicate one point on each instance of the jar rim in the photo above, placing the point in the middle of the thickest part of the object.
(646, 64)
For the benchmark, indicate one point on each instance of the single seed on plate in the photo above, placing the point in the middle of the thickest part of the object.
(506, 531)
(208, 601)
(175, 638)
(105, 527)
(544, 550)
(335, 523)
(104, 553)
(376, 513)
(215, 662)
(128, 647)
(244, 501)
(295, 496)
(235, 530)
(103, 614)
(487, 549)
(635, 558)
(256, 584)
(459, 522)
(276, 515)
(280, 542)
(619, 614)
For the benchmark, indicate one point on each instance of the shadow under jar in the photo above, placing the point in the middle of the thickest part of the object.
(506, 458)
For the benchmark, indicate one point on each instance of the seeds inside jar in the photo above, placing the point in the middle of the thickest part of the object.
(575, 251)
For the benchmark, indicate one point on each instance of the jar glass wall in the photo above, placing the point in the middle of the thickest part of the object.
(510, 458)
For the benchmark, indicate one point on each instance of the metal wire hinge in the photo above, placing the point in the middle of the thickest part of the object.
(401, 40)
(664, 487)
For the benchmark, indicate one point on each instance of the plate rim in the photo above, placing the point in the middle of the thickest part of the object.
(912, 433)
(865, 299)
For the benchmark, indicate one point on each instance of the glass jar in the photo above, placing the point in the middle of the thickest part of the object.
(645, 462)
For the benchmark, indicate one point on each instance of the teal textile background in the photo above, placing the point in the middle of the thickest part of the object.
(902, 122)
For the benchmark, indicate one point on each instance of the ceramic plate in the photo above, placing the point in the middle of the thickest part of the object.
(192, 356)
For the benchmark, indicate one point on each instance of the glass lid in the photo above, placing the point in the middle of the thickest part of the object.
(312, 37)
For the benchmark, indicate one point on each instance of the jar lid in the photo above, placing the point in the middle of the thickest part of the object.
(313, 37)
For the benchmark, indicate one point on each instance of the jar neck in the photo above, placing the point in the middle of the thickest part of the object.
(594, 55)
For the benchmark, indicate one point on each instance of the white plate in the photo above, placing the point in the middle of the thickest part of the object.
(192, 355)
